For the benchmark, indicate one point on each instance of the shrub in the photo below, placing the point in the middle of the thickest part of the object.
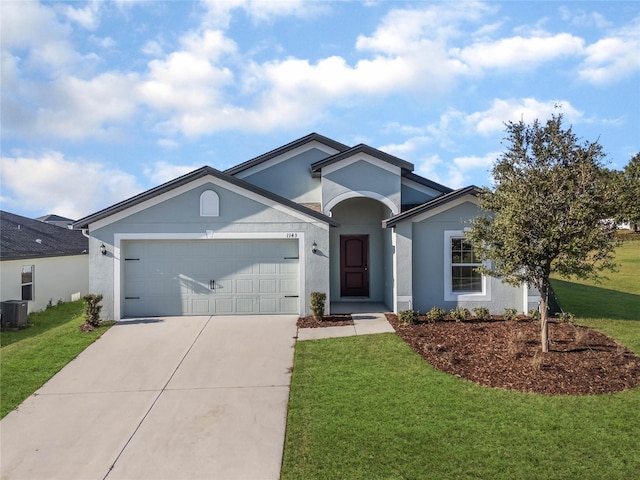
(459, 314)
(408, 316)
(510, 314)
(317, 305)
(436, 314)
(92, 309)
(567, 317)
(535, 314)
(482, 313)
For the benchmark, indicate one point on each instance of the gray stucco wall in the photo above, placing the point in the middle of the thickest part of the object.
(413, 196)
(429, 260)
(361, 216)
(181, 214)
(361, 176)
(291, 178)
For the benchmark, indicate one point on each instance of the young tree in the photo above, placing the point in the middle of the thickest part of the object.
(546, 211)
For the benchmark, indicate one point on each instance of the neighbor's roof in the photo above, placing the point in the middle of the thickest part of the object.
(284, 149)
(188, 178)
(431, 204)
(374, 152)
(23, 238)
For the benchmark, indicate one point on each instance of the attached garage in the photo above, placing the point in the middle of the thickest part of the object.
(210, 277)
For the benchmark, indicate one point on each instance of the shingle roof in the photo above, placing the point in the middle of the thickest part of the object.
(436, 202)
(427, 183)
(190, 177)
(374, 152)
(284, 149)
(22, 237)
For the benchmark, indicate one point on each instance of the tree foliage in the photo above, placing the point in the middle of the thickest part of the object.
(546, 211)
(629, 192)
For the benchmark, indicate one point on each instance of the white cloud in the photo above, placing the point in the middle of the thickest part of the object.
(87, 17)
(472, 162)
(526, 109)
(161, 172)
(71, 188)
(612, 58)
(218, 12)
(518, 52)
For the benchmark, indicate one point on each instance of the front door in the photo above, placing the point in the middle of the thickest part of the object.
(354, 265)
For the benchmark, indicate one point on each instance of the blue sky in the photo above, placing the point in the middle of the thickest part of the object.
(104, 99)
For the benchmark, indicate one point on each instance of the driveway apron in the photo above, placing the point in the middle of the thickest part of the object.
(161, 398)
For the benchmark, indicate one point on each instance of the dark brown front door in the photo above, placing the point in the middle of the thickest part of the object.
(354, 265)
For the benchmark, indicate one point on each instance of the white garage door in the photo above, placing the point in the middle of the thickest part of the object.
(210, 277)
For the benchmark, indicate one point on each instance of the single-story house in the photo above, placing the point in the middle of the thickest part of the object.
(313, 215)
(41, 262)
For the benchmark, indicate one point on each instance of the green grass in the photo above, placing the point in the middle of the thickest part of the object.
(369, 407)
(30, 357)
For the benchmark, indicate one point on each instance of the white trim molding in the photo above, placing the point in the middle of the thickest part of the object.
(360, 194)
(449, 294)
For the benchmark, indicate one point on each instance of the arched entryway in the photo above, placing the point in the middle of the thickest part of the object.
(361, 262)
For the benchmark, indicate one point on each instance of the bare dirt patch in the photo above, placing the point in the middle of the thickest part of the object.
(507, 354)
(327, 321)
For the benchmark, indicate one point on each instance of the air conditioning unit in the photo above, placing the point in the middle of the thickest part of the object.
(14, 313)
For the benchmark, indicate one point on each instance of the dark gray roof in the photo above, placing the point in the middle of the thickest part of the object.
(19, 239)
(427, 183)
(284, 149)
(188, 178)
(425, 207)
(374, 152)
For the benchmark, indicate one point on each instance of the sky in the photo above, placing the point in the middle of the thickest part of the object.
(102, 100)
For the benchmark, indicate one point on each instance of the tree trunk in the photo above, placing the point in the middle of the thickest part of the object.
(544, 320)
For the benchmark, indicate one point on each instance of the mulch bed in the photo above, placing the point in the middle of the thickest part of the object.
(507, 354)
(327, 321)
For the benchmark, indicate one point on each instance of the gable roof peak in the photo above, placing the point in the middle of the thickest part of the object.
(405, 166)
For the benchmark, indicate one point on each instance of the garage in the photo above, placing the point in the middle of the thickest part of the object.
(210, 277)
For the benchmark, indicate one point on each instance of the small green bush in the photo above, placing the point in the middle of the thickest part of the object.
(459, 314)
(408, 316)
(567, 317)
(92, 309)
(318, 300)
(510, 314)
(436, 314)
(482, 313)
(535, 314)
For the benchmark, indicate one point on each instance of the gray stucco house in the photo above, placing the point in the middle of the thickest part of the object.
(312, 215)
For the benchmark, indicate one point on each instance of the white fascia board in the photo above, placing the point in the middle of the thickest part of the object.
(198, 183)
(286, 156)
(420, 187)
(329, 169)
(443, 208)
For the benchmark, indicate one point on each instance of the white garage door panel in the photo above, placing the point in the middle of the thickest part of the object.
(175, 277)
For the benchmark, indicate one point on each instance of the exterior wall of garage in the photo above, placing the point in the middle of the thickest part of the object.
(241, 215)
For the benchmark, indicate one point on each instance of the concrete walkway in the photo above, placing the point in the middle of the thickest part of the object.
(163, 398)
(363, 324)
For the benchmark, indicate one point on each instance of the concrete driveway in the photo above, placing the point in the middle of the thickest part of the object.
(161, 398)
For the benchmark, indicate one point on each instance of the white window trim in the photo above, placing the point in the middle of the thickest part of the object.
(449, 294)
(32, 282)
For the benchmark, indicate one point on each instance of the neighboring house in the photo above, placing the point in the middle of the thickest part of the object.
(40, 262)
(313, 215)
(56, 220)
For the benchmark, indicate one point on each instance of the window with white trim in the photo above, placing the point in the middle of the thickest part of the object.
(26, 280)
(462, 279)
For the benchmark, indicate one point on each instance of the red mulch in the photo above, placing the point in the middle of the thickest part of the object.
(507, 354)
(327, 321)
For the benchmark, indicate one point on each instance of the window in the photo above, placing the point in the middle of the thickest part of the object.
(462, 280)
(209, 204)
(27, 282)
(464, 277)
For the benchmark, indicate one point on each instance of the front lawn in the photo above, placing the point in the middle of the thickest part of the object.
(30, 357)
(369, 407)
